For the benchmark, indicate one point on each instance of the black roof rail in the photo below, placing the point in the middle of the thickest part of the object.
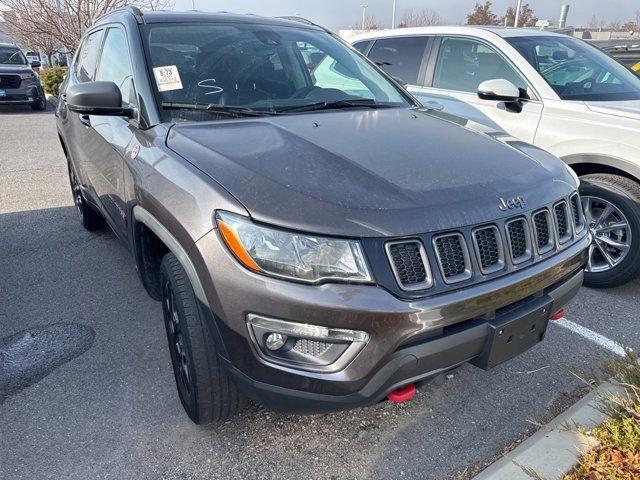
(135, 11)
(306, 21)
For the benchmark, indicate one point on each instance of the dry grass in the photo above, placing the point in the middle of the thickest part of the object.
(617, 455)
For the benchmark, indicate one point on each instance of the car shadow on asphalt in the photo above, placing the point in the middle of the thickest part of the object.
(24, 109)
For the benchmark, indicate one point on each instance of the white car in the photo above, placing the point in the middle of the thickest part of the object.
(554, 91)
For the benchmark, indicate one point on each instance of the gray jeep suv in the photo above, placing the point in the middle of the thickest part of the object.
(310, 249)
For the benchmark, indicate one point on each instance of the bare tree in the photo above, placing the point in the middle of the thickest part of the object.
(34, 22)
(483, 15)
(596, 23)
(370, 23)
(615, 26)
(420, 18)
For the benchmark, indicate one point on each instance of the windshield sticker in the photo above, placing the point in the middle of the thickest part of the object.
(167, 78)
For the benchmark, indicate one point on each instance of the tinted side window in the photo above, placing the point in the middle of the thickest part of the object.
(114, 63)
(463, 64)
(88, 57)
(400, 57)
(362, 46)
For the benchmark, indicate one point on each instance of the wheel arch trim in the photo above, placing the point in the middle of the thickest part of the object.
(626, 166)
(143, 216)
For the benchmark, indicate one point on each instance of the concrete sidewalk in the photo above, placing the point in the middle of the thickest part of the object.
(555, 448)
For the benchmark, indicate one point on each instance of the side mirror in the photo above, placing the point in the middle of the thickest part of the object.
(501, 90)
(36, 64)
(97, 98)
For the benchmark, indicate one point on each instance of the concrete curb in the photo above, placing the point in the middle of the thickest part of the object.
(555, 448)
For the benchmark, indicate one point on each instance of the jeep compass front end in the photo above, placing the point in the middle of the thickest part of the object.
(316, 237)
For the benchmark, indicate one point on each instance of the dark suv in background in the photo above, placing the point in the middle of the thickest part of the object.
(19, 84)
(317, 238)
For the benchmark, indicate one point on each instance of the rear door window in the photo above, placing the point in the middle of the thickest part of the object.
(400, 57)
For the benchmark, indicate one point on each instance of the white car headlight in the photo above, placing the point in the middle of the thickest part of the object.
(27, 76)
(292, 255)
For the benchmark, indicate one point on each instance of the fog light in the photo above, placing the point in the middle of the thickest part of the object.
(275, 340)
(305, 346)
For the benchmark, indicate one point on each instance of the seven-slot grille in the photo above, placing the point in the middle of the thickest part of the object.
(453, 257)
(541, 232)
(519, 241)
(562, 221)
(489, 250)
(10, 81)
(409, 264)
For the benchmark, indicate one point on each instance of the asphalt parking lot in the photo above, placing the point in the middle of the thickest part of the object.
(109, 408)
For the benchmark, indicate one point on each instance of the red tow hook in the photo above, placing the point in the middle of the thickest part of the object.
(403, 394)
(558, 315)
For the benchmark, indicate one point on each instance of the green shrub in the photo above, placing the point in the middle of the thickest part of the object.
(52, 78)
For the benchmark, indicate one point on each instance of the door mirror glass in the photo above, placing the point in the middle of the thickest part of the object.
(498, 89)
(97, 98)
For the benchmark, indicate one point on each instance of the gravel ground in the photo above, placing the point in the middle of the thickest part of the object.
(109, 409)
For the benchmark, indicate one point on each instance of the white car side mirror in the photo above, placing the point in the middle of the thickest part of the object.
(498, 89)
(501, 90)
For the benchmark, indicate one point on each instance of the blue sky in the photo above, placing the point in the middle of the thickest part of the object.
(337, 14)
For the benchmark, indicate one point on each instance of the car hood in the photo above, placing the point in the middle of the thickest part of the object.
(624, 108)
(387, 172)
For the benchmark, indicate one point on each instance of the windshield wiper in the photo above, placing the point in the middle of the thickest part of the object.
(216, 108)
(357, 103)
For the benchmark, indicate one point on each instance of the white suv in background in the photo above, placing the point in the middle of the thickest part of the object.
(554, 91)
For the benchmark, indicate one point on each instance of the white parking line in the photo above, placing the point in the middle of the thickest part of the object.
(601, 340)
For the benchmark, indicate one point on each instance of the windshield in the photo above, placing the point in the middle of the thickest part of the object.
(577, 70)
(12, 56)
(266, 69)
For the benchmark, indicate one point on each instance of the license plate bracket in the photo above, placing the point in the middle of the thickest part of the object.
(514, 332)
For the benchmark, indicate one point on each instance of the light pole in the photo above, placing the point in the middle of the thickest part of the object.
(517, 20)
(364, 15)
(393, 15)
(193, 4)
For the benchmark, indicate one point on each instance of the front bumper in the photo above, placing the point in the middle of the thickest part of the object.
(22, 96)
(409, 340)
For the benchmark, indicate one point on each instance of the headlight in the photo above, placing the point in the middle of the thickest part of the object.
(292, 255)
(27, 76)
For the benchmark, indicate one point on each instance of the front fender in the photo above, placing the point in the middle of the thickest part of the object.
(629, 167)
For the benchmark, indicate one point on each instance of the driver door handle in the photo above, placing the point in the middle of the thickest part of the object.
(85, 120)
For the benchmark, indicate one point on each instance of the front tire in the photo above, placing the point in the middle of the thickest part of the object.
(612, 211)
(205, 390)
(39, 105)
